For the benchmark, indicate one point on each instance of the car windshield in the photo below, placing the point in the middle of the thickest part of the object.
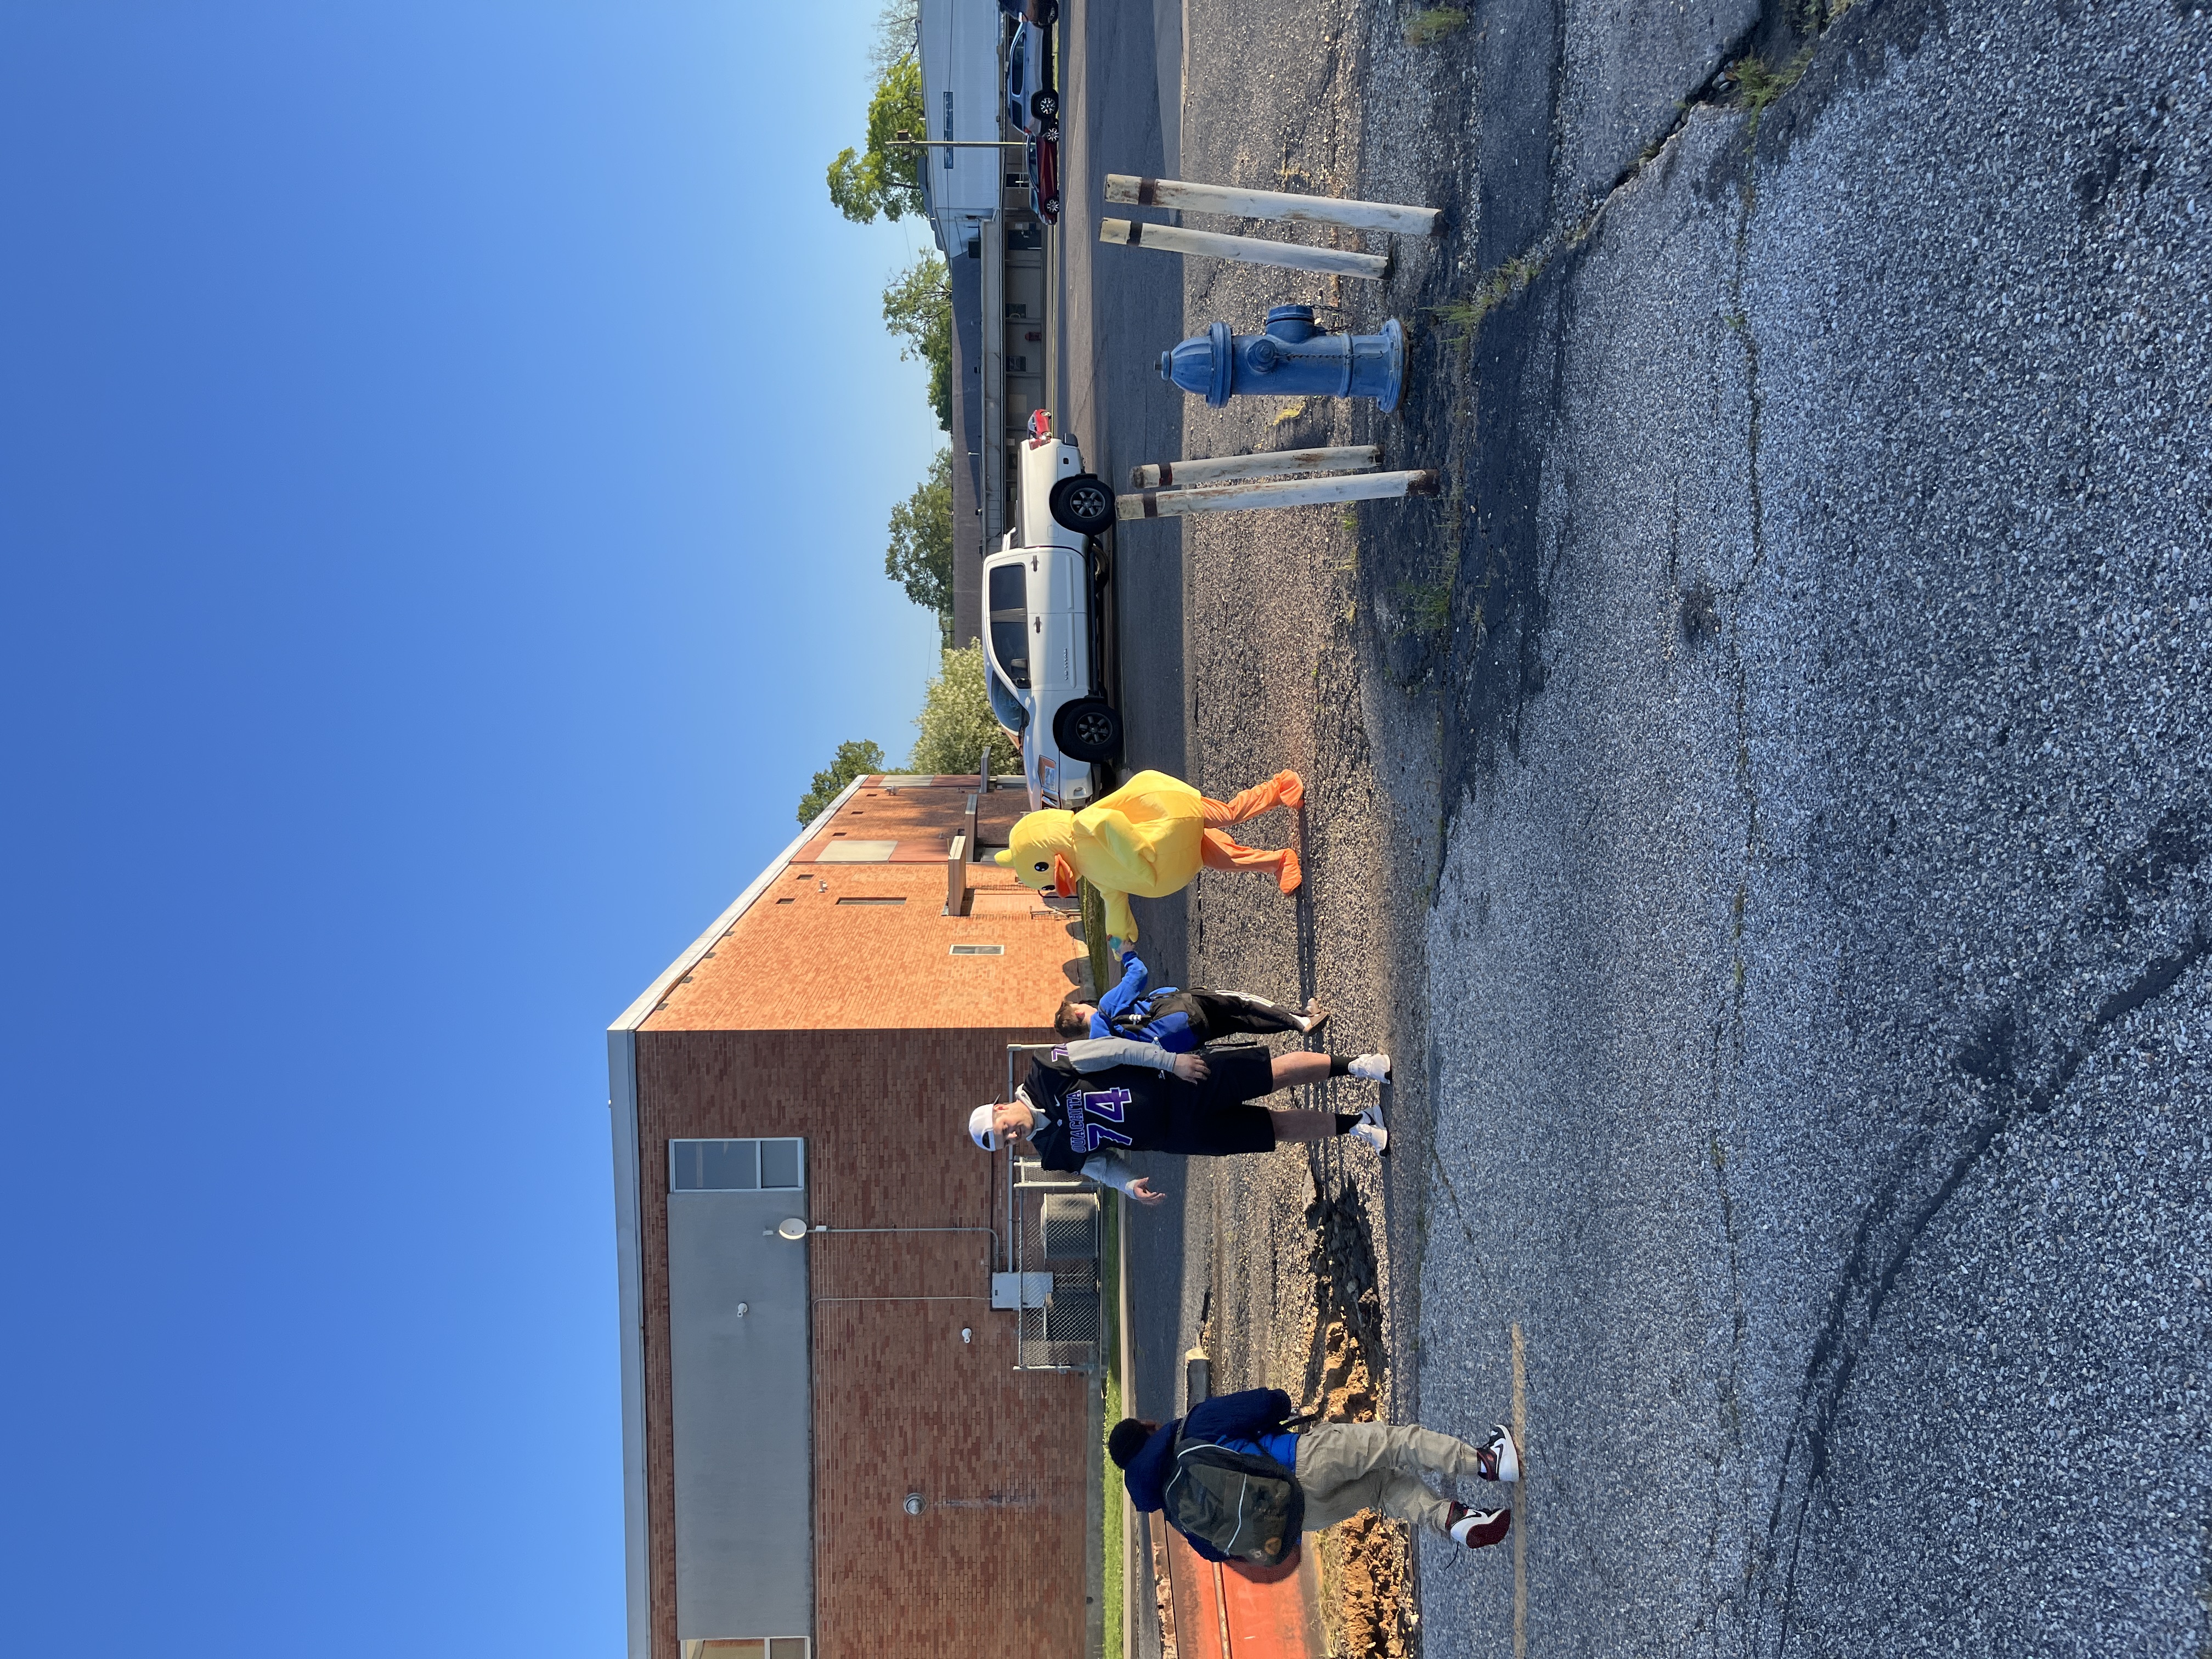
(1009, 625)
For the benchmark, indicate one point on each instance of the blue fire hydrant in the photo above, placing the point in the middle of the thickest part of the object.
(1292, 359)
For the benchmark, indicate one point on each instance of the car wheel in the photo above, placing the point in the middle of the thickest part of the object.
(1045, 105)
(1082, 503)
(1052, 209)
(1052, 131)
(1088, 731)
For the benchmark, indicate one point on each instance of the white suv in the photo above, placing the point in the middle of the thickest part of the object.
(1041, 633)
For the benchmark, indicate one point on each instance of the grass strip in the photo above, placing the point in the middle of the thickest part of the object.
(1109, 1328)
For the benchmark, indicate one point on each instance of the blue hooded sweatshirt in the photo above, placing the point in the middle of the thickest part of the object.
(1128, 1001)
(1248, 1422)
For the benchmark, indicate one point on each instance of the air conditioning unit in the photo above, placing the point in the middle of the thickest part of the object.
(1071, 1227)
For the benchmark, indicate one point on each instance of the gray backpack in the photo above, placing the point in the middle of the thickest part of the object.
(1243, 1508)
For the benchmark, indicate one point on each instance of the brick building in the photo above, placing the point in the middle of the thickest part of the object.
(791, 1383)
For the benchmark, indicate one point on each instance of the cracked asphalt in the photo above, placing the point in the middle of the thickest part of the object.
(1766, 805)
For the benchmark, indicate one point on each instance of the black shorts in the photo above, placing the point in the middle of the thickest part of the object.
(1212, 1119)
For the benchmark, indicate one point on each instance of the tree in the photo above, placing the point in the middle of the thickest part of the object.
(956, 722)
(854, 760)
(882, 180)
(920, 557)
(918, 311)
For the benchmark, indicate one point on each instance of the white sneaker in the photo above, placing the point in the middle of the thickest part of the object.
(1372, 1133)
(1501, 1458)
(1373, 1068)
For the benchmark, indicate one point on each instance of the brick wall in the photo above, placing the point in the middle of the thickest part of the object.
(900, 1404)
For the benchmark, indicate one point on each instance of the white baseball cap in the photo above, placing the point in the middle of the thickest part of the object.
(980, 1130)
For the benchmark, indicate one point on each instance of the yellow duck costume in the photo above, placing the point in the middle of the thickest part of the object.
(1149, 837)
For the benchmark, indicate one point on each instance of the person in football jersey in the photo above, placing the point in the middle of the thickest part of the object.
(1088, 1102)
(1340, 1468)
(1178, 1021)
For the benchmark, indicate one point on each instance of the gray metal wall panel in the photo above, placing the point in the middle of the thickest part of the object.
(744, 1557)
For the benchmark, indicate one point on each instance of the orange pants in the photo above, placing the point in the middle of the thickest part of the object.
(1284, 789)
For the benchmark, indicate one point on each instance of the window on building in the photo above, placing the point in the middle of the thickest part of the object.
(871, 899)
(737, 1166)
(979, 950)
(747, 1647)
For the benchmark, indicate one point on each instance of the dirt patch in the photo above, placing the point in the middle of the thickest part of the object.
(1366, 1565)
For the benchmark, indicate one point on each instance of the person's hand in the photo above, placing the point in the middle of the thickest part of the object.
(1191, 1068)
(1119, 947)
(1146, 1194)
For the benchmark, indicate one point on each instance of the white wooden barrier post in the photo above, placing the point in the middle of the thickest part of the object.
(1280, 492)
(1249, 250)
(1354, 458)
(1271, 205)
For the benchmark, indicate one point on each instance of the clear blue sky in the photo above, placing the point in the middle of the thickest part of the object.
(445, 450)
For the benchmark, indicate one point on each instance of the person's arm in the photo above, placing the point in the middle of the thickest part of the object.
(1109, 1169)
(1117, 1002)
(1238, 1416)
(1100, 1054)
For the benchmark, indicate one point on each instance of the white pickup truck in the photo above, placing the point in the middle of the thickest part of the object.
(1043, 625)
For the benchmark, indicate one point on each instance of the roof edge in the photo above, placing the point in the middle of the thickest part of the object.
(635, 1014)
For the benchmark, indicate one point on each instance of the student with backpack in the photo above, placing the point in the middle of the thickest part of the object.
(1178, 1021)
(1241, 1477)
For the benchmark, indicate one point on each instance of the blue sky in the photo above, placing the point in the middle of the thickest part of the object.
(445, 450)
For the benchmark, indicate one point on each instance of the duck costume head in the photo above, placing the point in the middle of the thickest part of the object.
(1149, 837)
(1039, 855)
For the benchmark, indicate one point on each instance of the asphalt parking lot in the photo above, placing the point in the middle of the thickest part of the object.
(1764, 803)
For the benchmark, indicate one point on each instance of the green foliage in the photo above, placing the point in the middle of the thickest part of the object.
(1110, 1309)
(881, 181)
(854, 760)
(955, 721)
(1462, 318)
(918, 311)
(1757, 86)
(920, 557)
(1425, 28)
(1428, 604)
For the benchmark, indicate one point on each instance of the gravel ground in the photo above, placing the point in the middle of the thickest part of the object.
(1763, 805)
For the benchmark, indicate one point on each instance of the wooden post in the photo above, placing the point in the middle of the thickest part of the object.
(1352, 457)
(955, 877)
(1249, 250)
(1271, 205)
(1279, 492)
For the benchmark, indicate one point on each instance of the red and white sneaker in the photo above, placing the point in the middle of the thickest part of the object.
(1500, 1457)
(1479, 1531)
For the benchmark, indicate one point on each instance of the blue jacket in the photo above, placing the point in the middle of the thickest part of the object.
(1247, 1422)
(1171, 1031)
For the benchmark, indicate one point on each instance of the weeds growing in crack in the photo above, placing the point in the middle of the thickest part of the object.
(1426, 28)
(1758, 84)
(1427, 604)
(1462, 318)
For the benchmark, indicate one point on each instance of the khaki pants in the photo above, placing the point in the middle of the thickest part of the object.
(1346, 1468)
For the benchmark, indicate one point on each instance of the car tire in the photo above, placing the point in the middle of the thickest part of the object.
(1045, 105)
(1052, 132)
(1051, 206)
(1082, 503)
(1088, 730)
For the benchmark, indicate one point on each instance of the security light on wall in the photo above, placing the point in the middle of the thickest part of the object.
(791, 1227)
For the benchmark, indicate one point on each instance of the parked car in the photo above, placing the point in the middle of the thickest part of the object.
(1032, 98)
(1037, 11)
(1044, 178)
(1041, 640)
